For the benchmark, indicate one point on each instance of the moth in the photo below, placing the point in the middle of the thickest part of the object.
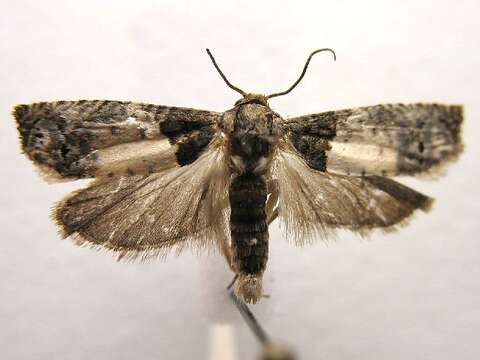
(170, 178)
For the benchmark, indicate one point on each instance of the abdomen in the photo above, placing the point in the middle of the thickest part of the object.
(249, 232)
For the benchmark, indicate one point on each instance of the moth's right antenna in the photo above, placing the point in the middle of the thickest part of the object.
(223, 76)
(303, 72)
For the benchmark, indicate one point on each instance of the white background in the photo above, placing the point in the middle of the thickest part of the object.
(410, 295)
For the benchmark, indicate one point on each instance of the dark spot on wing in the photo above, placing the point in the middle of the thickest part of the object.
(420, 147)
(313, 150)
(191, 145)
(188, 129)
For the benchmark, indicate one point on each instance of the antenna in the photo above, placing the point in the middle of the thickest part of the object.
(223, 76)
(303, 72)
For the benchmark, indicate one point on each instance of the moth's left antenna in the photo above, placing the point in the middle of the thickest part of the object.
(223, 76)
(303, 72)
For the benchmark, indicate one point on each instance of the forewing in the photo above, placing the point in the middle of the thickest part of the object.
(99, 138)
(388, 140)
(144, 216)
(313, 203)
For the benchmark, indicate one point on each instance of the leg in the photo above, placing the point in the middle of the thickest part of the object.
(226, 252)
(271, 207)
(273, 216)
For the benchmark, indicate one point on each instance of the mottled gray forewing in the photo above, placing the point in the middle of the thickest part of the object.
(98, 138)
(144, 216)
(313, 203)
(393, 139)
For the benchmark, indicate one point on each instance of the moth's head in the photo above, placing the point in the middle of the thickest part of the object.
(262, 99)
(249, 288)
(252, 99)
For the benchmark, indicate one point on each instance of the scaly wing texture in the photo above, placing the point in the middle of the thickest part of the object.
(388, 140)
(145, 216)
(313, 203)
(100, 138)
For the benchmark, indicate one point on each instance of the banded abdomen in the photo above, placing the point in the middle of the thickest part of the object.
(249, 233)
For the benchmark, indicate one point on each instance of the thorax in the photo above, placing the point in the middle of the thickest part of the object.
(252, 131)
